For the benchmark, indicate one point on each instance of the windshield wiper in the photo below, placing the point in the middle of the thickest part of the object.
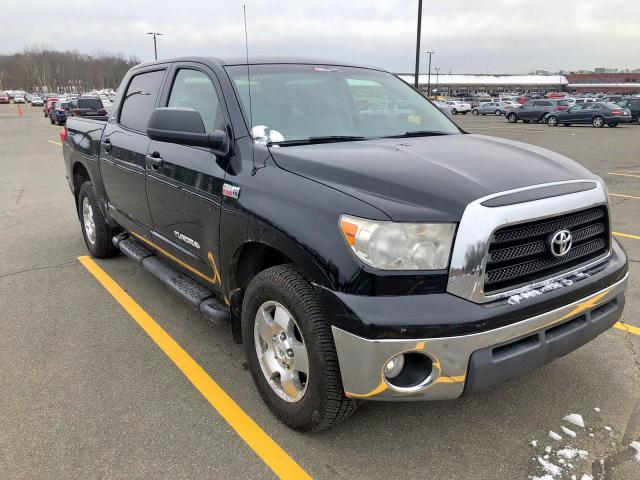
(314, 140)
(418, 133)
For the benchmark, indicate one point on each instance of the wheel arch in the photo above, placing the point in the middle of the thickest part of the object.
(254, 255)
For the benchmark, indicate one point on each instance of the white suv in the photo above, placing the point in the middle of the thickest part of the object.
(456, 107)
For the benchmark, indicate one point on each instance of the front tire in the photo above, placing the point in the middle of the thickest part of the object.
(512, 118)
(598, 122)
(282, 321)
(97, 234)
(454, 111)
(475, 111)
(552, 121)
(498, 112)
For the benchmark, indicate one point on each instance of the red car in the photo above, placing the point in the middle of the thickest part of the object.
(51, 103)
(4, 98)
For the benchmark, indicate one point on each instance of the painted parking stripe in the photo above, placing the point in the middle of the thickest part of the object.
(627, 328)
(55, 143)
(624, 196)
(626, 235)
(624, 174)
(262, 444)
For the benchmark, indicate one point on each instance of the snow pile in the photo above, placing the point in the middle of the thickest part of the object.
(550, 468)
(636, 446)
(571, 433)
(575, 418)
(554, 436)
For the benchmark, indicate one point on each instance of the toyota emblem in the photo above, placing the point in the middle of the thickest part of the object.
(560, 243)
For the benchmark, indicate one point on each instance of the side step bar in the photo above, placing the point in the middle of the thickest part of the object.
(198, 296)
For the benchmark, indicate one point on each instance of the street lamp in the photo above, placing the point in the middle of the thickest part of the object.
(429, 74)
(155, 46)
(437, 69)
(418, 43)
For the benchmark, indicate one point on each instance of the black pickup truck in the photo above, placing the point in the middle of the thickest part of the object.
(358, 242)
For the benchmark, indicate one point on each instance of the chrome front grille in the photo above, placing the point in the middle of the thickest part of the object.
(520, 254)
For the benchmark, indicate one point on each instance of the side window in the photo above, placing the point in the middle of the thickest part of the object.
(194, 89)
(140, 99)
(634, 103)
(593, 106)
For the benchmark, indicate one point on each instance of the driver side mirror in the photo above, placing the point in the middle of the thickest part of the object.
(184, 126)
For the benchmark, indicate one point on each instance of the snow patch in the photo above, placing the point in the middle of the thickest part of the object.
(575, 418)
(554, 436)
(586, 476)
(550, 468)
(547, 449)
(534, 443)
(597, 409)
(607, 428)
(570, 453)
(568, 432)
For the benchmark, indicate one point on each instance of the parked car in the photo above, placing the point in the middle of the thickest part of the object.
(59, 112)
(4, 97)
(37, 101)
(51, 102)
(534, 110)
(596, 113)
(456, 107)
(89, 107)
(19, 99)
(633, 105)
(492, 108)
(390, 259)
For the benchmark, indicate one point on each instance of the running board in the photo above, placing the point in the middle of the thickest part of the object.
(197, 295)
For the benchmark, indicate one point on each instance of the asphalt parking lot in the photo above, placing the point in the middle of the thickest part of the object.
(85, 392)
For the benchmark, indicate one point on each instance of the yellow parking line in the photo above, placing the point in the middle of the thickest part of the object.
(262, 444)
(624, 196)
(55, 143)
(623, 174)
(627, 328)
(626, 235)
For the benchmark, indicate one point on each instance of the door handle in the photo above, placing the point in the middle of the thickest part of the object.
(154, 160)
(106, 143)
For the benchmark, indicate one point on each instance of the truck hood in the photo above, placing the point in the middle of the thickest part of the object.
(427, 178)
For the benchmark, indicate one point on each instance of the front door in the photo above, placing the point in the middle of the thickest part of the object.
(185, 189)
(123, 150)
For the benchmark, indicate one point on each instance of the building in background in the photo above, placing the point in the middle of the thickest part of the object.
(447, 84)
(614, 82)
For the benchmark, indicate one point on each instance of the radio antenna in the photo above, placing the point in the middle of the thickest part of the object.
(246, 51)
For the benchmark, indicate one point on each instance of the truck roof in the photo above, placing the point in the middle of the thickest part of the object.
(260, 60)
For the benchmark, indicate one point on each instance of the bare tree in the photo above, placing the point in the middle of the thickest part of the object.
(40, 68)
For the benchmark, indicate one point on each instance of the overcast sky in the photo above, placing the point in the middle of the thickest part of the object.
(468, 36)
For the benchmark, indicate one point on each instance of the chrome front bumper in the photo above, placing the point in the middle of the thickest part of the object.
(362, 360)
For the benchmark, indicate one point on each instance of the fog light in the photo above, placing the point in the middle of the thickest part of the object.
(394, 366)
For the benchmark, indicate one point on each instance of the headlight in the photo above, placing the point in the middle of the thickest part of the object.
(399, 246)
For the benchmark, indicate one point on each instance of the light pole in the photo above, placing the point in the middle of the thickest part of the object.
(155, 46)
(429, 74)
(437, 69)
(418, 43)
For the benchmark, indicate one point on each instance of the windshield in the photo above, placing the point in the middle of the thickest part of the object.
(298, 102)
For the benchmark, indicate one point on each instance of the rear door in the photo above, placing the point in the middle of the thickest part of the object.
(123, 150)
(185, 191)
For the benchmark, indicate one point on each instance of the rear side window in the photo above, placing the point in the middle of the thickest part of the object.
(194, 89)
(89, 103)
(543, 104)
(634, 103)
(139, 100)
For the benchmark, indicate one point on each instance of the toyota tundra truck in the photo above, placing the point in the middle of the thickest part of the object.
(356, 241)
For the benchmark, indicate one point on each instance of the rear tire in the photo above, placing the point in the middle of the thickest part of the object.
(613, 124)
(475, 111)
(454, 111)
(498, 112)
(320, 402)
(97, 234)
